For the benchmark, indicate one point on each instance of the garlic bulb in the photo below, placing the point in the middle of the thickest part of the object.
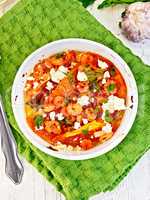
(136, 21)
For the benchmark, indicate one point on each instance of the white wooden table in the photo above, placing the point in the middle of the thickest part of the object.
(136, 186)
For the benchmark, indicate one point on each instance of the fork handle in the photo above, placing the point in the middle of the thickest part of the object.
(13, 166)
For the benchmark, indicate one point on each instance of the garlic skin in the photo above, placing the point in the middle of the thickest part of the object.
(136, 21)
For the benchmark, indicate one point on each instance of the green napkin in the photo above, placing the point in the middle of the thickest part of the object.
(28, 26)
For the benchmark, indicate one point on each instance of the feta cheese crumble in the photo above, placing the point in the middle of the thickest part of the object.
(52, 115)
(49, 86)
(35, 85)
(30, 78)
(58, 75)
(102, 64)
(81, 76)
(77, 125)
(114, 103)
(63, 69)
(98, 134)
(92, 100)
(107, 74)
(60, 116)
(83, 100)
(85, 121)
(103, 81)
(107, 128)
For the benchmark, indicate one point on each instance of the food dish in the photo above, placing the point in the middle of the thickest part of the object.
(96, 122)
(75, 100)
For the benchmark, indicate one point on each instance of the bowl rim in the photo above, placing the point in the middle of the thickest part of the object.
(111, 144)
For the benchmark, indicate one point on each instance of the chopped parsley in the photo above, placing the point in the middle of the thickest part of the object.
(70, 77)
(94, 86)
(85, 131)
(93, 74)
(39, 120)
(111, 87)
(108, 118)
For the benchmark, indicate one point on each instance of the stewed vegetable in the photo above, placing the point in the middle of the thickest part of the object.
(75, 100)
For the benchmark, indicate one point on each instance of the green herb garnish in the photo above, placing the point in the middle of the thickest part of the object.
(85, 131)
(70, 77)
(108, 118)
(93, 74)
(95, 86)
(111, 87)
(39, 120)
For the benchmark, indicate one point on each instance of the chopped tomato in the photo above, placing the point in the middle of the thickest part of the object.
(70, 56)
(39, 71)
(59, 101)
(86, 144)
(88, 58)
(52, 127)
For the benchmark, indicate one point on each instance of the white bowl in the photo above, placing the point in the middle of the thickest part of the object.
(80, 45)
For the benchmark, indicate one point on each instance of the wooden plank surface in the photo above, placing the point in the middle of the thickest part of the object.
(136, 186)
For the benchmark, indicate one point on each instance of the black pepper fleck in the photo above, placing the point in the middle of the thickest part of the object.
(16, 97)
(131, 106)
(132, 99)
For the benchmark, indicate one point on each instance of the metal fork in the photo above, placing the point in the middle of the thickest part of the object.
(13, 166)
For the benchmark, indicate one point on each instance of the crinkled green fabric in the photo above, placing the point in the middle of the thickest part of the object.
(87, 2)
(28, 26)
(107, 3)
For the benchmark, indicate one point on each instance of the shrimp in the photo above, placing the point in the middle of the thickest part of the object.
(48, 63)
(49, 108)
(70, 56)
(64, 88)
(88, 58)
(48, 105)
(86, 144)
(74, 109)
(83, 86)
(64, 111)
(57, 61)
(52, 127)
(40, 72)
(59, 101)
(90, 114)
